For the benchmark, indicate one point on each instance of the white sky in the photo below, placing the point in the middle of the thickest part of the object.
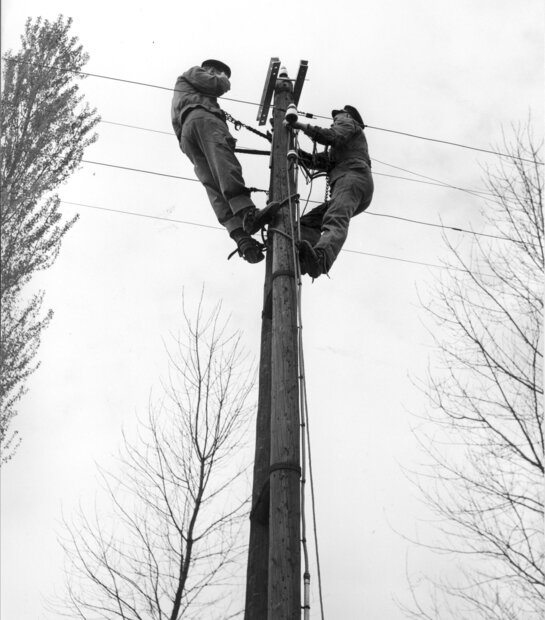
(456, 71)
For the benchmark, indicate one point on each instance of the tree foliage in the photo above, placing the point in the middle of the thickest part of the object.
(45, 129)
(166, 540)
(484, 432)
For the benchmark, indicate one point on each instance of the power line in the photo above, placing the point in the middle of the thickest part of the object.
(170, 134)
(166, 133)
(150, 217)
(431, 181)
(458, 144)
(308, 114)
(405, 219)
(471, 192)
(443, 226)
(418, 174)
(160, 174)
(436, 182)
(189, 223)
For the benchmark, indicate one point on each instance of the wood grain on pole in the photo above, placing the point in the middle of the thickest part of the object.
(257, 578)
(284, 518)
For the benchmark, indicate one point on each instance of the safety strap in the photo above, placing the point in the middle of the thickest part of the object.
(239, 124)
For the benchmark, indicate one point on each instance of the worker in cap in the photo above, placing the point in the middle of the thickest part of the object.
(200, 126)
(346, 160)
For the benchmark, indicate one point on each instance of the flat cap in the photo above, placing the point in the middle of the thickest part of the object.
(349, 109)
(218, 65)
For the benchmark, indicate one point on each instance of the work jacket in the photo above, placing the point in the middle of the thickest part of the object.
(348, 146)
(197, 88)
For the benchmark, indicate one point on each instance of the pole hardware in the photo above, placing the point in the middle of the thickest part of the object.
(268, 90)
(291, 114)
(299, 81)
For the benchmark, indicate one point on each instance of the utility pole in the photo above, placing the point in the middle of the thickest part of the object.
(285, 468)
(273, 590)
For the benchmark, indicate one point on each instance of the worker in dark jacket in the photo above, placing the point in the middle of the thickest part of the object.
(324, 229)
(201, 129)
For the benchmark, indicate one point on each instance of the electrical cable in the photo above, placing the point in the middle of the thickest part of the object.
(305, 427)
(418, 174)
(438, 140)
(302, 412)
(436, 181)
(443, 226)
(307, 114)
(150, 217)
(477, 193)
(160, 174)
(189, 223)
(472, 192)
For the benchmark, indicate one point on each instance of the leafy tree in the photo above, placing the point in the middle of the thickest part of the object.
(484, 431)
(45, 130)
(167, 537)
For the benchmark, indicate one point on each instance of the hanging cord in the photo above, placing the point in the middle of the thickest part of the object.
(305, 431)
(239, 124)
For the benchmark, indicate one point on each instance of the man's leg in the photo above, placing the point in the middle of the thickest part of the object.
(218, 147)
(248, 247)
(351, 194)
(190, 145)
(311, 224)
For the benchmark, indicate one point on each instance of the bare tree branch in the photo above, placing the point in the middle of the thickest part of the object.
(483, 434)
(169, 541)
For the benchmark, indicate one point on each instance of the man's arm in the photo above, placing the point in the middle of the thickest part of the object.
(206, 83)
(341, 131)
(318, 161)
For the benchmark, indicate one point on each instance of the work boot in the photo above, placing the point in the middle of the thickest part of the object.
(250, 249)
(253, 219)
(312, 260)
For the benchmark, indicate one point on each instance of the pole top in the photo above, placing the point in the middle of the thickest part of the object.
(268, 89)
(279, 74)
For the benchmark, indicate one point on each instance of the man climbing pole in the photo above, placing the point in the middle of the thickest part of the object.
(325, 228)
(200, 126)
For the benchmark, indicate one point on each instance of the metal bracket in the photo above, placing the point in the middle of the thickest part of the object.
(299, 81)
(268, 90)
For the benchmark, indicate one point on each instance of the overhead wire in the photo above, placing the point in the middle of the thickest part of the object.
(481, 194)
(371, 213)
(431, 180)
(190, 223)
(160, 174)
(307, 114)
(473, 191)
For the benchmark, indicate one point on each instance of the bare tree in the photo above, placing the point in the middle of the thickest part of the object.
(484, 430)
(45, 129)
(167, 540)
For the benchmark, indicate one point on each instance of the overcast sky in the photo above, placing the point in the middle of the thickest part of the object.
(457, 71)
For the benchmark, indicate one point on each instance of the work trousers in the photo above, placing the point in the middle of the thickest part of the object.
(326, 226)
(207, 142)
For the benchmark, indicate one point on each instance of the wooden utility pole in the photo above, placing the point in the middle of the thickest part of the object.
(257, 579)
(273, 589)
(285, 469)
